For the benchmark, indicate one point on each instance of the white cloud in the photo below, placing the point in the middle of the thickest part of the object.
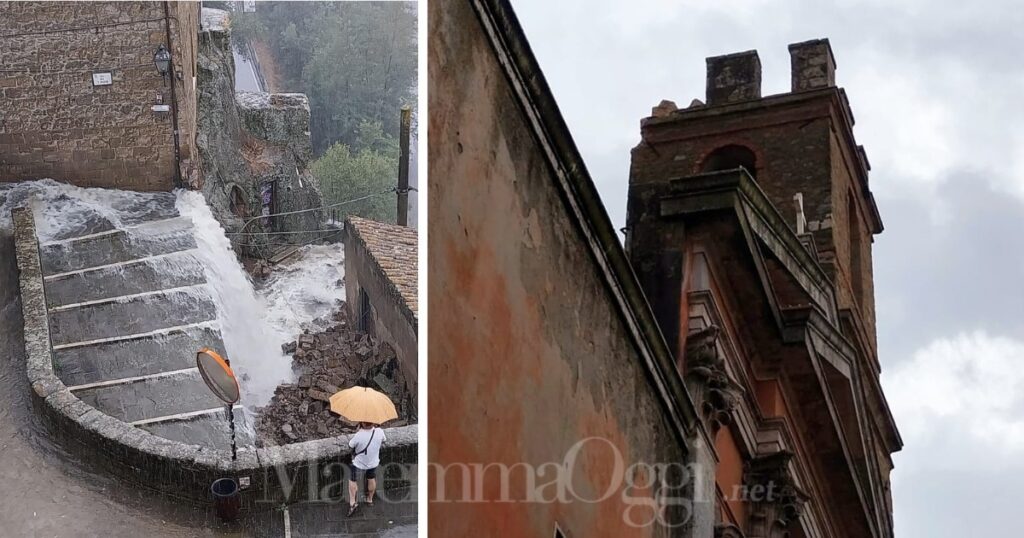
(960, 397)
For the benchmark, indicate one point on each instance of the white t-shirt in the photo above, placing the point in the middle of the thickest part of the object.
(370, 458)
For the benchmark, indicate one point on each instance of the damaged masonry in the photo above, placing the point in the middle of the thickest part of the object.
(371, 340)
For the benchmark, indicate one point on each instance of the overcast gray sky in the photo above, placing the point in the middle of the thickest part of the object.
(936, 88)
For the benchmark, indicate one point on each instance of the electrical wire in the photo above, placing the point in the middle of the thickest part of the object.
(328, 206)
(325, 233)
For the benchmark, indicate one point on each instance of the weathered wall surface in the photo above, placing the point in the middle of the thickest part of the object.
(381, 260)
(680, 238)
(528, 352)
(55, 123)
(184, 25)
(248, 140)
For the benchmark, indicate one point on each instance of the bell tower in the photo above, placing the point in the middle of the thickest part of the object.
(798, 146)
(749, 225)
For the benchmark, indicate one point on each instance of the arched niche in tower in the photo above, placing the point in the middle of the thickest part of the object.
(731, 157)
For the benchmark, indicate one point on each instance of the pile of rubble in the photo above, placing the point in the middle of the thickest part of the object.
(336, 358)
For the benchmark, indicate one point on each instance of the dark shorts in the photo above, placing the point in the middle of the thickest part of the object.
(356, 472)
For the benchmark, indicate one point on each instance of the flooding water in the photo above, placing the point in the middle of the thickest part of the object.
(50, 492)
(47, 491)
(256, 322)
(304, 289)
(252, 342)
(253, 324)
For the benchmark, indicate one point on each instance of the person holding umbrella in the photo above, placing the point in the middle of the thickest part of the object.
(369, 408)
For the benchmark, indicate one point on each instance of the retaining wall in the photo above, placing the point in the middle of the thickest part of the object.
(288, 473)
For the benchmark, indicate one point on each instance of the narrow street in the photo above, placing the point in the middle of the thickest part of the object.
(245, 73)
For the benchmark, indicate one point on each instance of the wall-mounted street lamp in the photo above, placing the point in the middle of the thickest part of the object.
(162, 59)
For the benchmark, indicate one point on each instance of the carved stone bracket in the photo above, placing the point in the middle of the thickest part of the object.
(715, 393)
(776, 502)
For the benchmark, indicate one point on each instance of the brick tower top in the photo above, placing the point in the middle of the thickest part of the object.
(800, 148)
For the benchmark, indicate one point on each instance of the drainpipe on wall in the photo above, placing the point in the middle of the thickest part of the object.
(403, 167)
(174, 100)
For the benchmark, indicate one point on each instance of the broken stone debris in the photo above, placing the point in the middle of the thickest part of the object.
(333, 359)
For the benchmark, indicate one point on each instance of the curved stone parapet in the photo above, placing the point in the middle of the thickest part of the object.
(276, 475)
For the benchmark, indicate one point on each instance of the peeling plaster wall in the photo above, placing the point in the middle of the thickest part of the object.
(528, 352)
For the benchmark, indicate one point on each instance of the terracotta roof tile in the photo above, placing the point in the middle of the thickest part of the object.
(395, 250)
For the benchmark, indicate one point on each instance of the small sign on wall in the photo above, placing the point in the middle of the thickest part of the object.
(102, 79)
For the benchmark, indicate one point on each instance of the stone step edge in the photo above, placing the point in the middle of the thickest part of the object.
(208, 324)
(133, 379)
(113, 231)
(183, 417)
(124, 298)
(134, 261)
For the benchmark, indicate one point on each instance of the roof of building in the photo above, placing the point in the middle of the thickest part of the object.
(394, 249)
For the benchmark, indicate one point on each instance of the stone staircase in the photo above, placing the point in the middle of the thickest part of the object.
(128, 309)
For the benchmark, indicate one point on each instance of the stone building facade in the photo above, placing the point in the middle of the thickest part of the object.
(734, 335)
(55, 122)
(381, 275)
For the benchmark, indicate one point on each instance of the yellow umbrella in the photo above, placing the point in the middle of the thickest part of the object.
(362, 404)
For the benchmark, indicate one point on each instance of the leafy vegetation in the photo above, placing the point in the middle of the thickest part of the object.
(355, 60)
(370, 167)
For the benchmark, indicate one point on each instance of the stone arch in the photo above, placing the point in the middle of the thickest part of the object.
(729, 157)
(237, 201)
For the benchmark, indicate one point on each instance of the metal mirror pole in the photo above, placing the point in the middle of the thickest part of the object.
(231, 421)
(220, 379)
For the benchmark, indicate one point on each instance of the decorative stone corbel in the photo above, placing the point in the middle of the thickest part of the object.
(714, 392)
(775, 501)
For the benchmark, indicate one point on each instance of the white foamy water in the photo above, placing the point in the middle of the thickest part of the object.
(305, 288)
(253, 324)
(63, 210)
(252, 342)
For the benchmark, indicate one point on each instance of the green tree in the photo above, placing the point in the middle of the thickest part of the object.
(355, 60)
(371, 169)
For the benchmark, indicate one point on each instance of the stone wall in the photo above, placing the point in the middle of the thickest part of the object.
(250, 140)
(277, 474)
(381, 261)
(56, 123)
